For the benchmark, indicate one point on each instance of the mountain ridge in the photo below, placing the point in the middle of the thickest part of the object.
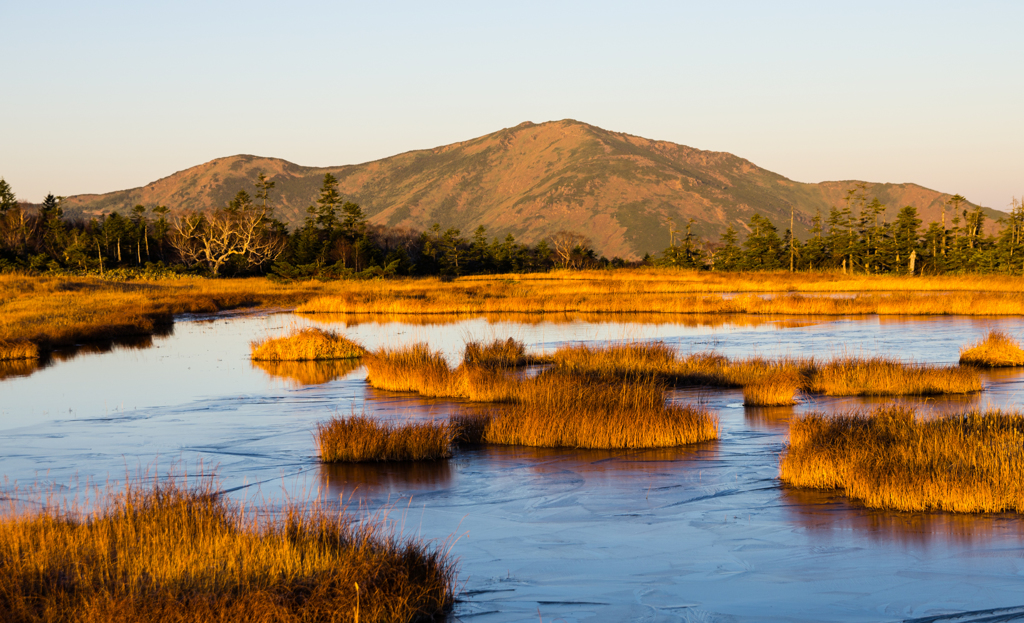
(532, 180)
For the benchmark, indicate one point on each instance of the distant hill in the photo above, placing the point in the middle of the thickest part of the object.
(533, 180)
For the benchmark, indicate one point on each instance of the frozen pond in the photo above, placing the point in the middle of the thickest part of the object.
(705, 533)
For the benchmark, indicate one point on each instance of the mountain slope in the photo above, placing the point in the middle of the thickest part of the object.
(533, 180)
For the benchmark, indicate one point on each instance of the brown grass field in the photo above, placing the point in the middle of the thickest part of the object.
(840, 376)
(997, 350)
(176, 553)
(52, 312)
(309, 344)
(888, 458)
(361, 439)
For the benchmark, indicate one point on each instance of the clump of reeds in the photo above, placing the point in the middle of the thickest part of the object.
(508, 353)
(18, 349)
(881, 376)
(414, 368)
(360, 438)
(176, 553)
(556, 409)
(773, 390)
(629, 358)
(309, 344)
(841, 376)
(997, 350)
(888, 458)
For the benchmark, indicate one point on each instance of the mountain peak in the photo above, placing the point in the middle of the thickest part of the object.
(531, 181)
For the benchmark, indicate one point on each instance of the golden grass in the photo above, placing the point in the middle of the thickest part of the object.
(773, 390)
(180, 554)
(413, 369)
(880, 376)
(841, 376)
(63, 311)
(997, 350)
(360, 438)
(302, 373)
(19, 349)
(555, 408)
(678, 292)
(309, 344)
(888, 458)
(508, 353)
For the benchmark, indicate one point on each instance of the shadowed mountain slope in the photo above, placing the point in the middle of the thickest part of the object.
(533, 180)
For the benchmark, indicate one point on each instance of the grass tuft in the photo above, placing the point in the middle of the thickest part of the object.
(360, 438)
(18, 349)
(170, 552)
(774, 390)
(508, 353)
(842, 376)
(889, 458)
(414, 368)
(881, 376)
(555, 408)
(997, 350)
(309, 344)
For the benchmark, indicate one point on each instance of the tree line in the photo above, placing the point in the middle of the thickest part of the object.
(337, 241)
(244, 238)
(863, 237)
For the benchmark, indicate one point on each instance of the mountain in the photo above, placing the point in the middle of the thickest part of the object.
(533, 180)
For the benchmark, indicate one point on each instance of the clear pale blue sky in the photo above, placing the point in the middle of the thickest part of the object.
(101, 96)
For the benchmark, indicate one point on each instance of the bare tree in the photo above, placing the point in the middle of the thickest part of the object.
(240, 230)
(565, 244)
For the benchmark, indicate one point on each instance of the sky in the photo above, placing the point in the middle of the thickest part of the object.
(103, 96)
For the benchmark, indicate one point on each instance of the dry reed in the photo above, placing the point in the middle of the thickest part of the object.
(186, 554)
(360, 438)
(841, 376)
(880, 376)
(416, 368)
(888, 458)
(18, 349)
(556, 408)
(774, 390)
(309, 344)
(997, 350)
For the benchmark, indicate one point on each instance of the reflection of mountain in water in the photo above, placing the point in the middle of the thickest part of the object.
(301, 373)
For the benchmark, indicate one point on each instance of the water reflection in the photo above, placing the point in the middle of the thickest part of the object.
(18, 367)
(769, 418)
(825, 513)
(365, 480)
(303, 373)
(533, 319)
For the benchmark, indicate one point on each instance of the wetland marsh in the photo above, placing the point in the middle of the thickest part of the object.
(703, 532)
